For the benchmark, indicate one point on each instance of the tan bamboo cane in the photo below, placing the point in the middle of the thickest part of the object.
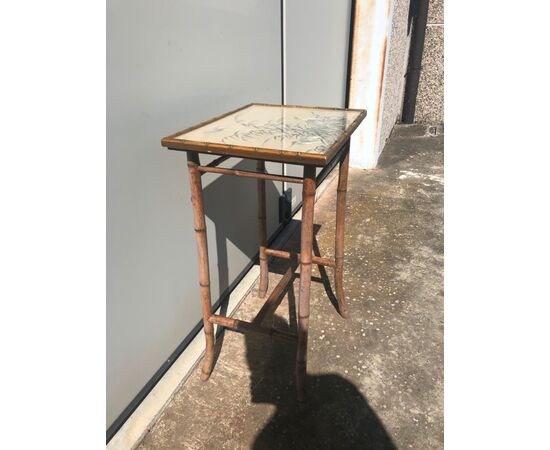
(242, 326)
(340, 229)
(218, 161)
(202, 250)
(306, 252)
(262, 230)
(249, 174)
(277, 294)
(291, 255)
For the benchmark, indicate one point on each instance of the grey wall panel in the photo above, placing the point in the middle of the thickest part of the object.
(316, 51)
(169, 65)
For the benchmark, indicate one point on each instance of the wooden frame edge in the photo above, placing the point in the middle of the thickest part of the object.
(268, 154)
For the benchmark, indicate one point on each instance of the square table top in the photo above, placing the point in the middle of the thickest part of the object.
(291, 134)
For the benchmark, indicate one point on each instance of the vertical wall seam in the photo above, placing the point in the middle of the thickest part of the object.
(283, 73)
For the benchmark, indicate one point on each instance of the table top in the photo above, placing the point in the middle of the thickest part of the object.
(292, 134)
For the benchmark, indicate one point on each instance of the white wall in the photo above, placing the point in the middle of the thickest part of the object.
(316, 52)
(316, 49)
(172, 64)
(372, 34)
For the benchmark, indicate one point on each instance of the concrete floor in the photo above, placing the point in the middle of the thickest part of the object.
(376, 380)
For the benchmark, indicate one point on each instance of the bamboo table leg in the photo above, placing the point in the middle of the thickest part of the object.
(339, 241)
(306, 251)
(260, 166)
(202, 250)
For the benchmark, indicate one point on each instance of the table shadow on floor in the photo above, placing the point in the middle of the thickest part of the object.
(335, 414)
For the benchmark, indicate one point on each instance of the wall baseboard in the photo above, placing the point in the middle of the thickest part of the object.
(144, 417)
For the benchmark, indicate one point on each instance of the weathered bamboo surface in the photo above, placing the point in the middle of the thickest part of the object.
(306, 252)
(218, 161)
(291, 255)
(262, 230)
(276, 296)
(340, 231)
(249, 174)
(243, 326)
(202, 251)
(305, 258)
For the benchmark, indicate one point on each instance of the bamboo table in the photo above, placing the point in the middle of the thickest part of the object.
(307, 136)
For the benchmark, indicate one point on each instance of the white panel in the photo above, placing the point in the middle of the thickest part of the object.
(316, 50)
(169, 65)
(370, 50)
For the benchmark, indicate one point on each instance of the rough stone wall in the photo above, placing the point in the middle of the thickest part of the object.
(429, 101)
(396, 69)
